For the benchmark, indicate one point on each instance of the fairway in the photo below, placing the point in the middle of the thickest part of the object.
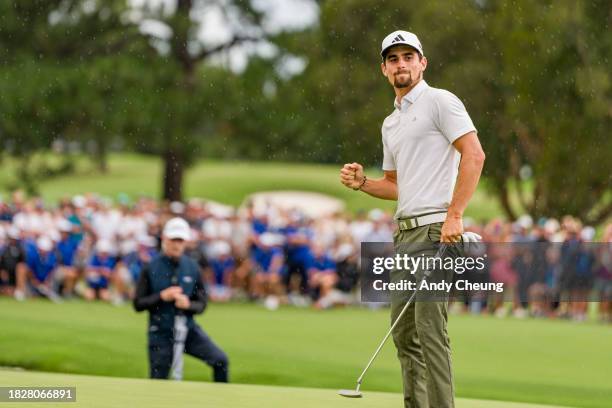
(228, 182)
(123, 392)
(535, 361)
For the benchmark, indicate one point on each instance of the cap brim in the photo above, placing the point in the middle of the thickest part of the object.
(383, 53)
(177, 236)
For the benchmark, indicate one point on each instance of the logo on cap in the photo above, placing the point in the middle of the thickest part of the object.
(398, 38)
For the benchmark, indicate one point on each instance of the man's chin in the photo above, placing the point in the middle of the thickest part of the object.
(403, 84)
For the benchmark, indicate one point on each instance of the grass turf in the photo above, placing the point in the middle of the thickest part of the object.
(93, 392)
(536, 361)
(228, 182)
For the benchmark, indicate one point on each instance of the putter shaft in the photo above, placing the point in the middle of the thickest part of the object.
(384, 340)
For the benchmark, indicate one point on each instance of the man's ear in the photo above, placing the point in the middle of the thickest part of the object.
(424, 62)
(383, 68)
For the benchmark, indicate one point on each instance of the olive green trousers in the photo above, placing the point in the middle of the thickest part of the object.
(421, 336)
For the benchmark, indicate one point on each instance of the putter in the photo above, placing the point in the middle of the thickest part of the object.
(466, 238)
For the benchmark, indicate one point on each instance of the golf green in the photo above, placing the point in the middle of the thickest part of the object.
(93, 392)
(533, 361)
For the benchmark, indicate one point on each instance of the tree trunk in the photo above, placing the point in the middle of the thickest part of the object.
(174, 159)
(102, 159)
(173, 175)
(504, 200)
(25, 177)
(99, 153)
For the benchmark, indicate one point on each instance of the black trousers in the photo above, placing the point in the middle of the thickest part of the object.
(298, 268)
(197, 344)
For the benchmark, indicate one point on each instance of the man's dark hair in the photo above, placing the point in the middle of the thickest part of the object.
(386, 52)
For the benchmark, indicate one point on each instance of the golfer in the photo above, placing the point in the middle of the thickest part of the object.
(432, 161)
(171, 289)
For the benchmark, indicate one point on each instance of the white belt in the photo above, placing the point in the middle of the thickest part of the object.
(421, 220)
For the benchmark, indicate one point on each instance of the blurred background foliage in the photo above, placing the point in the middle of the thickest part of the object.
(91, 77)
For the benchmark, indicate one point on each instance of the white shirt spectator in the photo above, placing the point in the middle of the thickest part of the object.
(360, 229)
(217, 229)
(131, 227)
(105, 223)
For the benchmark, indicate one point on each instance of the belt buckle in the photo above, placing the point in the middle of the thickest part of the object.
(408, 223)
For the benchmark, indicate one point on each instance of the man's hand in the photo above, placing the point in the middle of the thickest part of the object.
(351, 175)
(182, 302)
(171, 293)
(452, 229)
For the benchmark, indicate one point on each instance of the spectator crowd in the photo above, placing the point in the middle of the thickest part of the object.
(88, 247)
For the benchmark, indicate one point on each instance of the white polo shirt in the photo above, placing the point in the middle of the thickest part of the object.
(417, 143)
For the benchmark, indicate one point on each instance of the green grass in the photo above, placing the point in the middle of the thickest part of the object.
(92, 392)
(535, 361)
(224, 181)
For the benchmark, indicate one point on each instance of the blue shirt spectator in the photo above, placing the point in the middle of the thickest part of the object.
(221, 269)
(67, 249)
(100, 267)
(323, 263)
(42, 260)
(266, 256)
(135, 261)
(298, 244)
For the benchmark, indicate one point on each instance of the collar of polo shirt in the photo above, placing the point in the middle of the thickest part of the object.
(413, 95)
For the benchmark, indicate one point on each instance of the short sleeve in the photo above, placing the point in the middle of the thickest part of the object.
(453, 119)
(388, 160)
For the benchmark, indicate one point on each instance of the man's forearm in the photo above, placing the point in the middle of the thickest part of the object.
(380, 188)
(144, 299)
(199, 299)
(470, 169)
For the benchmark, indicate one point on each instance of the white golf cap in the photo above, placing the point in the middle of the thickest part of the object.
(376, 214)
(54, 235)
(588, 233)
(525, 221)
(44, 243)
(64, 225)
(271, 239)
(104, 246)
(177, 228)
(79, 201)
(176, 207)
(401, 37)
(551, 226)
(14, 233)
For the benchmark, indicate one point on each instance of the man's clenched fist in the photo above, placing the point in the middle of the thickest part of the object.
(351, 175)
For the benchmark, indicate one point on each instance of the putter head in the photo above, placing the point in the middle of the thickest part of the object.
(472, 243)
(350, 393)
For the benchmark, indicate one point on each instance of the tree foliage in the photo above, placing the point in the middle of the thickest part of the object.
(534, 76)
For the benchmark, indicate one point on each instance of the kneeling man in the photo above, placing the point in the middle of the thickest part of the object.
(171, 289)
